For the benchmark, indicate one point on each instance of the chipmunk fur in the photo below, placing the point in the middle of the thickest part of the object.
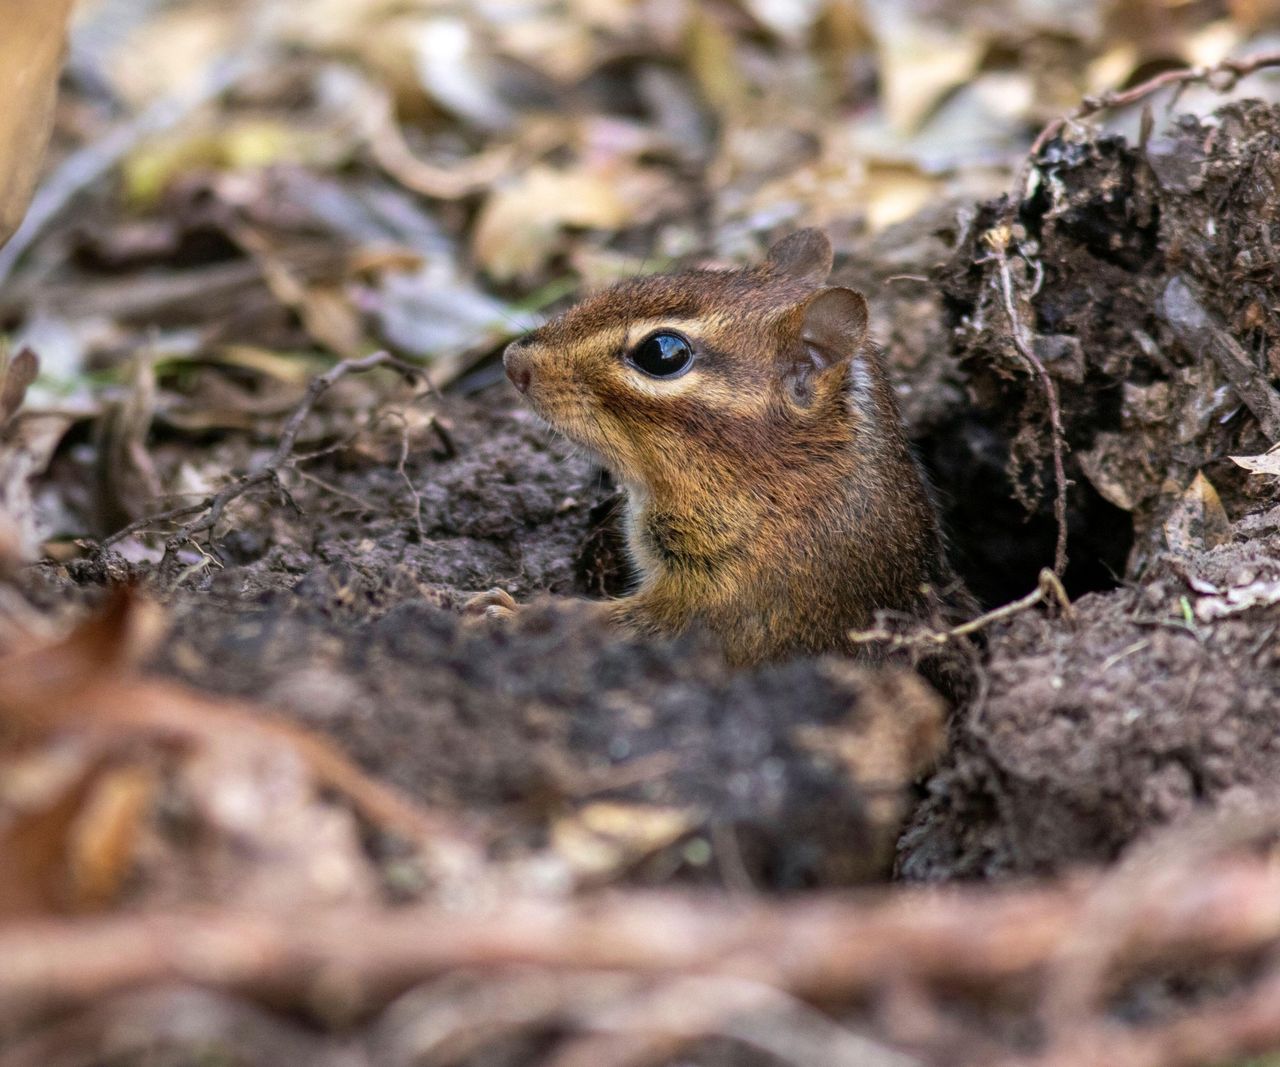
(772, 497)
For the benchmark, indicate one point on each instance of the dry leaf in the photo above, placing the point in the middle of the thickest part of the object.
(1255, 14)
(34, 829)
(519, 226)
(457, 72)
(31, 48)
(1198, 520)
(327, 314)
(599, 839)
(27, 443)
(713, 62)
(244, 144)
(1267, 463)
(167, 54)
(1114, 471)
(920, 61)
(103, 837)
(789, 19)
(16, 374)
(1256, 594)
(896, 193)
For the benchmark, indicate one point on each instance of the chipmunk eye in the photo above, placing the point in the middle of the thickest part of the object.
(663, 354)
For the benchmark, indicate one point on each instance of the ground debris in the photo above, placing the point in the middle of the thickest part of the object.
(528, 972)
(319, 820)
(126, 790)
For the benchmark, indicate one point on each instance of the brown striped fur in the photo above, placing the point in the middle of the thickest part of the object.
(772, 496)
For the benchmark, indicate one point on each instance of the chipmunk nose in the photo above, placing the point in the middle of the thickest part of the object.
(519, 365)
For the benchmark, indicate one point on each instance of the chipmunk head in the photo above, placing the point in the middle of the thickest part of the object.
(705, 370)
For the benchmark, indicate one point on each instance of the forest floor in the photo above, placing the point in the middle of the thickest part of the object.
(361, 830)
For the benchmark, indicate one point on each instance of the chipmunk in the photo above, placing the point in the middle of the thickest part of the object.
(772, 496)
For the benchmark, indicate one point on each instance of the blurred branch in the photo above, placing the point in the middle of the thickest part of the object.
(833, 949)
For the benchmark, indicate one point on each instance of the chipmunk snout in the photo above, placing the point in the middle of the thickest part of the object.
(518, 364)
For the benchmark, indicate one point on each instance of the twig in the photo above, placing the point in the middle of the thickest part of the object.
(1230, 70)
(1048, 587)
(1246, 1025)
(1017, 330)
(151, 520)
(329, 487)
(186, 1023)
(827, 948)
(404, 477)
(211, 508)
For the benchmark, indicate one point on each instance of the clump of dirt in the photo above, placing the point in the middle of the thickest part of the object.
(1153, 315)
(544, 730)
(461, 498)
(1151, 702)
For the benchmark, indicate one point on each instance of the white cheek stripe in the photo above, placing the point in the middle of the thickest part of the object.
(658, 387)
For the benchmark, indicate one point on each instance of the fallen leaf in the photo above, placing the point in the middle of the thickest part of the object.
(1198, 521)
(713, 62)
(31, 49)
(244, 144)
(920, 61)
(16, 374)
(435, 314)
(601, 838)
(27, 443)
(457, 72)
(104, 834)
(166, 55)
(519, 225)
(1266, 463)
(789, 19)
(1241, 598)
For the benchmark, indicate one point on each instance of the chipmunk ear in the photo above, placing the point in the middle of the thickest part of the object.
(804, 255)
(833, 328)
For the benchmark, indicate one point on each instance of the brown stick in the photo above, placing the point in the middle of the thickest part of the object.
(1057, 438)
(1243, 1026)
(1048, 588)
(833, 949)
(1230, 69)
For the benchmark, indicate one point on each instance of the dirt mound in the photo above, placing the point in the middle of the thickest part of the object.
(1152, 702)
(1088, 732)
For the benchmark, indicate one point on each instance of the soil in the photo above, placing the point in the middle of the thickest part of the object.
(1153, 698)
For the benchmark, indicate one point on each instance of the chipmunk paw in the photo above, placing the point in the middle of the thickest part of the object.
(493, 604)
